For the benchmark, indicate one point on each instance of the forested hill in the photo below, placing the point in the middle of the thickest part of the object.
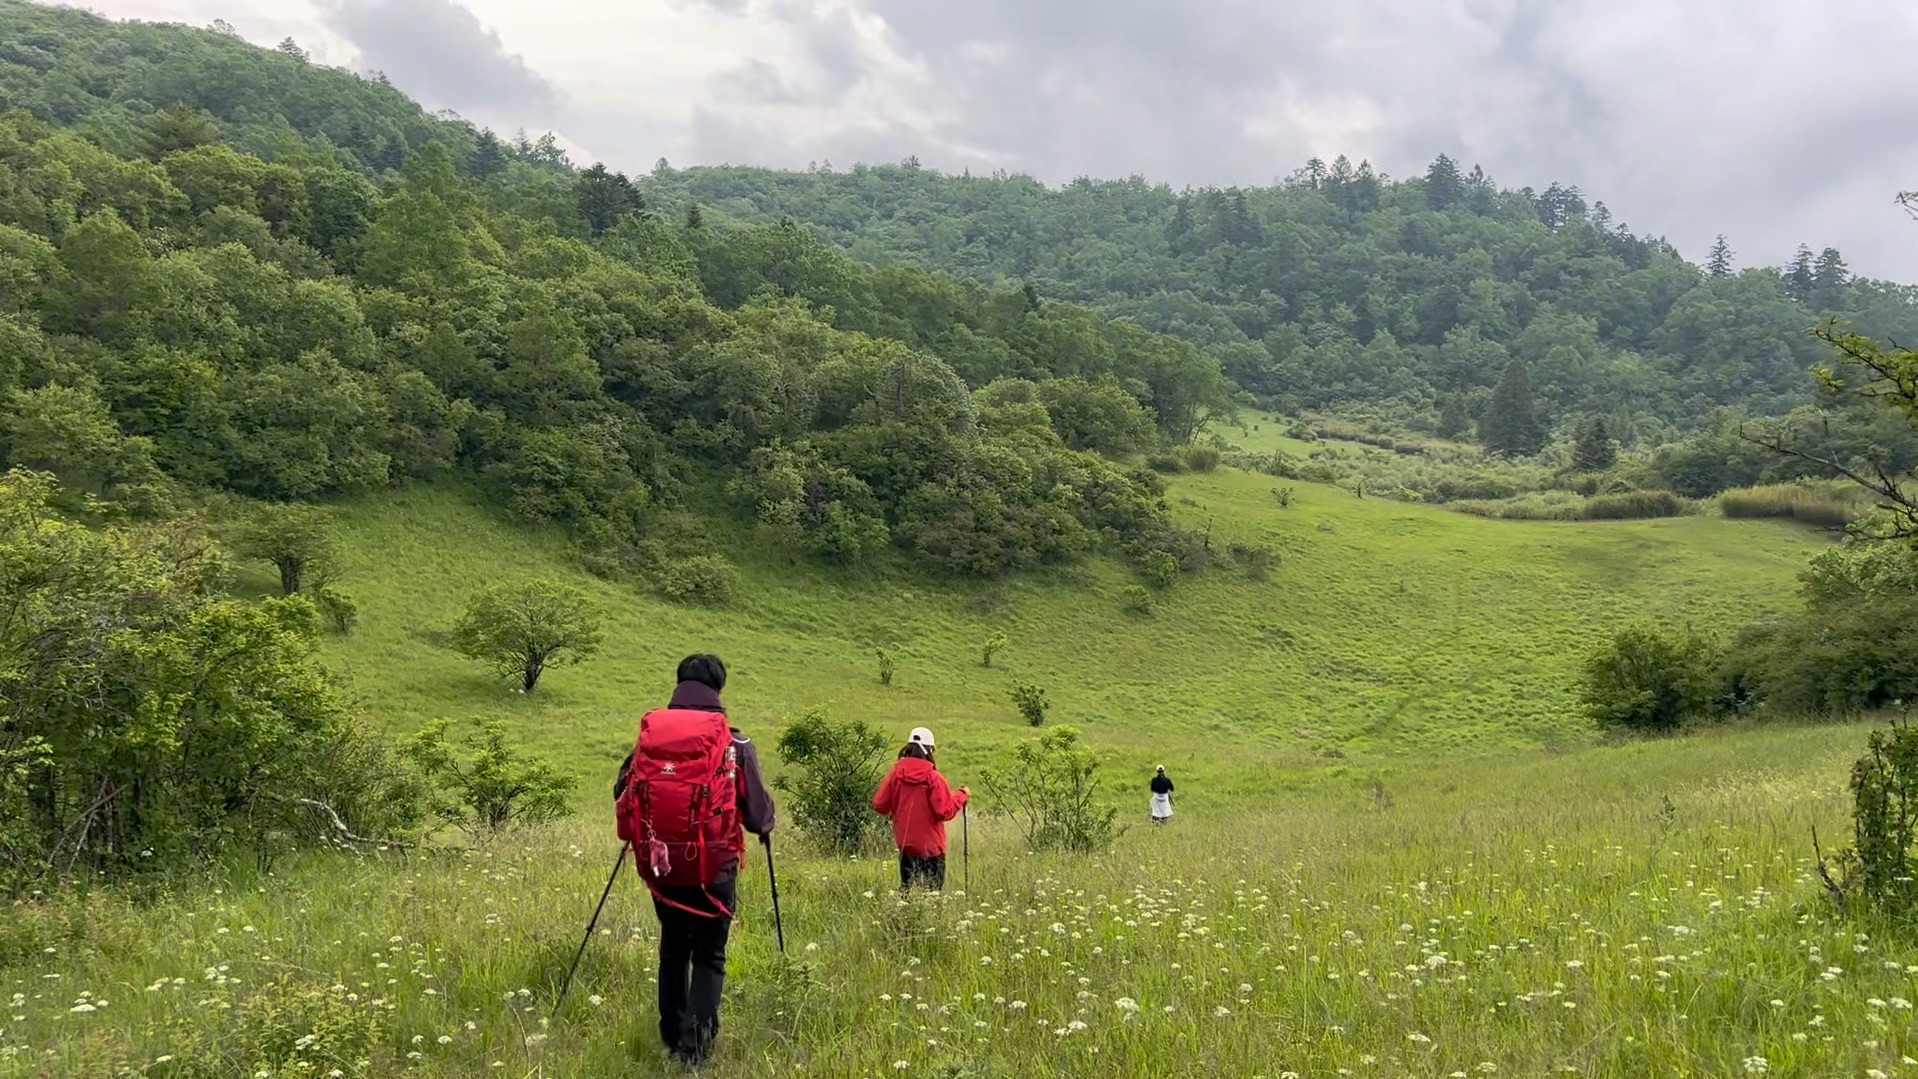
(1343, 289)
(190, 305)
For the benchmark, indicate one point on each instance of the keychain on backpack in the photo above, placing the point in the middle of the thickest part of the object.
(657, 856)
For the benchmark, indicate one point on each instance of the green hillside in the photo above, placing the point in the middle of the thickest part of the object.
(1383, 629)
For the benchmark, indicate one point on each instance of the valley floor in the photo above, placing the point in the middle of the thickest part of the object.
(1645, 909)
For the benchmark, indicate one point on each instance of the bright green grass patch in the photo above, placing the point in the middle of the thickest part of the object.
(1611, 912)
(1384, 628)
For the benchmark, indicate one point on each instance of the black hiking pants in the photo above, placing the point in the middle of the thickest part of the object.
(927, 873)
(692, 968)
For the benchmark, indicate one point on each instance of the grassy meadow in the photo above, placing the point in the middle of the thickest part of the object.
(1626, 911)
(1399, 851)
(1382, 629)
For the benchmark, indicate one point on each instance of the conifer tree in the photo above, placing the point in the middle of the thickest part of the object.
(1511, 426)
(1595, 451)
(1719, 262)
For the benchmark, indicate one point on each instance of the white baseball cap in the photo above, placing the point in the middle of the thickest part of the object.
(922, 736)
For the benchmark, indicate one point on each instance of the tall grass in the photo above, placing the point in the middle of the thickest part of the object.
(1828, 505)
(1616, 912)
(1566, 506)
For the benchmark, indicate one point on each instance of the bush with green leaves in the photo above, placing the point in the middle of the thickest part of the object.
(705, 579)
(839, 765)
(995, 644)
(1880, 870)
(1159, 568)
(1051, 788)
(888, 664)
(337, 608)
(147, 718)
(520, 630)
(1137, 600)
(491, 786)
(1651, 679)
(1032, 703)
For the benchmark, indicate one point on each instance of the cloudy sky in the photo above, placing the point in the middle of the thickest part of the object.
(1774, 121)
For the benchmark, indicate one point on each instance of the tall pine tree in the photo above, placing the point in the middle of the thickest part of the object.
(1799, 277)
(1719, 262)
(1595, 451)
(1510, 427)
(1444, 185)
(1830, 277)
(604, 197)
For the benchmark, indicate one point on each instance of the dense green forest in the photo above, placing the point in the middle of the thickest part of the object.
(1439, 306)
(1403, 302)
(200, 299)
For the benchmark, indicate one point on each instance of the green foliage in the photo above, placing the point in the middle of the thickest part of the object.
(1510, 426)
(1137, 600)
(888, 664)
(337, 608)
(520, 630)
(1632, 506)
(840, 764)
(1880, 871)
(1031, 701)
(1595, 450)
(1051, 788)
(1159, 568)
(147, 719)
(490, 787)
(706, 579)
(1200, 458)
(1651, 680)
(297, 540)
(994, 644)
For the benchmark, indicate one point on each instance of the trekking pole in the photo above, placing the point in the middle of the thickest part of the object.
(590, 926)
(965, 845)
(772, 878)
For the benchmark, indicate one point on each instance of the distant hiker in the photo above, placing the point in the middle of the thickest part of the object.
(920, 803)
(1161, 797)
(694, 791)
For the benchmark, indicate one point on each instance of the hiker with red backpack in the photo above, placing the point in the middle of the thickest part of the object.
(684, 799)
(920, 802)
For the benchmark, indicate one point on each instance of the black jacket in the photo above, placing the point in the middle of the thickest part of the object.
(1161, 785)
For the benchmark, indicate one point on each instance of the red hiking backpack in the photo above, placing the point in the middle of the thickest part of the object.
(680, 809)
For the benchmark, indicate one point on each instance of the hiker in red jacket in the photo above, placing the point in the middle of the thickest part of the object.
(696, 918)
(920, 803)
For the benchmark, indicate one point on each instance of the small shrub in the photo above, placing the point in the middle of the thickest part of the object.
(993, 646)
(1256, 561)
(1284, 496)
(337, 608)
(1651, 680)
(1168, 463)
(1051, 788)
(705, 579)
(1159, 568)
(1201, 458)
(1032, 703)
(491, 788)
(1136, 599)
(840, 763)
(888, 665)
(1881, 868)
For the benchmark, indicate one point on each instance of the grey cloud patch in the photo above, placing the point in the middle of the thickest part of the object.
(1687, 121)
(439, 52)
